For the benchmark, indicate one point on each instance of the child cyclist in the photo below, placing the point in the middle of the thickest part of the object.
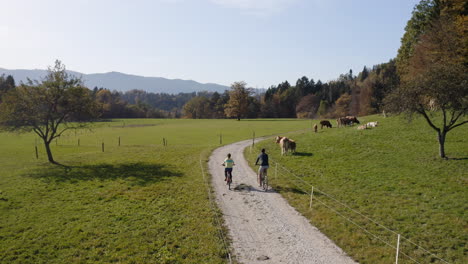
(228, 163)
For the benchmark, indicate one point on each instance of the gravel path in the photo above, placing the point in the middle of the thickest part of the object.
(263, 227)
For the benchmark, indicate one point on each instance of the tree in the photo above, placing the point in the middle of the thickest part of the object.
(6, 84)
(364, 74)
(322, 110)
(422, 15)
(217, 105)
(343, 105)
(307, 106)
(48, 108)
(197, 107)
(238, 103)
(435, 77)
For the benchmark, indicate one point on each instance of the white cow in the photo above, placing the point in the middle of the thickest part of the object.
(373, 124)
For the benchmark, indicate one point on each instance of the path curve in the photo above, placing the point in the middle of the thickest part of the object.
(263, 227)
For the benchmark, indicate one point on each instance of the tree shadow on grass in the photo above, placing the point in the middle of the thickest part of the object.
(136, 173)
(270, 120)
(295, 190)
(303, 154)
(281, 189)
(453, 158)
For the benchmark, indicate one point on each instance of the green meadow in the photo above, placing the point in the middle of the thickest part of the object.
(140, 202)
(371, 185)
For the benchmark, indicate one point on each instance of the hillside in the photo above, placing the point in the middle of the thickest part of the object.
(125, 82)
(390, 175)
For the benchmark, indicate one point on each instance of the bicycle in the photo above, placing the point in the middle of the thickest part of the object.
(228, 174)
(229, 179)
(264, 179)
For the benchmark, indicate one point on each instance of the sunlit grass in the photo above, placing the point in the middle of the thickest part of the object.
(139, 202)
(393, 175)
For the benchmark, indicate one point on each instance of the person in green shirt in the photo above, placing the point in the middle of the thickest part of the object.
(228, 164)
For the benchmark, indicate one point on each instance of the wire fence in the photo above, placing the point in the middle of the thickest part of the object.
(393, 239)
(217, 216)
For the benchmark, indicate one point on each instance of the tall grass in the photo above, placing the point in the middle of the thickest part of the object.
(390, 174)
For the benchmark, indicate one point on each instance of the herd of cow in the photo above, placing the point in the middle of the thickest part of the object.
(346, 121)
(289, 145)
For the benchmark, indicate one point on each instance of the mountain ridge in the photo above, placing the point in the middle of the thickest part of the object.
(123, 82)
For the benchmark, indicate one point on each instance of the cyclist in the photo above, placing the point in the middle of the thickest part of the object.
(263, 157)
(228, 163)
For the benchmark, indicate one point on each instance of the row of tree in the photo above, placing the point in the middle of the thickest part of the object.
(356, 95)
(430, 74)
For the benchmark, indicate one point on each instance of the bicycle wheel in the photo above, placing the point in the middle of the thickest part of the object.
(265, 183)
(229, 180)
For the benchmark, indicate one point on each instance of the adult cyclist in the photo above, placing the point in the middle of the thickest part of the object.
(263, 157)
(228, 164)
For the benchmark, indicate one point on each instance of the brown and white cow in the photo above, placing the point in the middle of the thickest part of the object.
(347, 121)
(286, 144)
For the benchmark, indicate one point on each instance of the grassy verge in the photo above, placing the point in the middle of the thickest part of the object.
(392, 175)
(139, 202)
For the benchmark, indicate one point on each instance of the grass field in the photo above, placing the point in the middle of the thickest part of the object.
(391, 174)
(137, 203)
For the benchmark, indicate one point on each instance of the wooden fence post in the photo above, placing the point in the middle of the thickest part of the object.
(119, 141)
(276, 170)
(103, 146)
(311, 196)
(37, 154)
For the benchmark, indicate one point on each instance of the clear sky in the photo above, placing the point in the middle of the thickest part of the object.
(262, 42)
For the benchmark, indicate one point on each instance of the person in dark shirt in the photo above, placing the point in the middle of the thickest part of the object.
(263, 157)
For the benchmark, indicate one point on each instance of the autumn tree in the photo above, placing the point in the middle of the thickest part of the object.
(238, 103)
(6, 84)
(197, 107)
(50, 107)
(342, 105)
(435, 76)
(323, 108)
(307, 106)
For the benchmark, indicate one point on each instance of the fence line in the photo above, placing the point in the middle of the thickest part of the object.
(66, 136)
(357, 212)
(212, 205)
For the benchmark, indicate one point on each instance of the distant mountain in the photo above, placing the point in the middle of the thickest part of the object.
(124, 82)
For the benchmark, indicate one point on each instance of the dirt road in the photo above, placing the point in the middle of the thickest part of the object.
(263, 227)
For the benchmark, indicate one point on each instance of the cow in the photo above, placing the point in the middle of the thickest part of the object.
(341, 121)
(362, 127)
(292, 146)
(347, 120)
(315, 128)
(285, 144)
(352, 120)
(325, 123)
(372, 124)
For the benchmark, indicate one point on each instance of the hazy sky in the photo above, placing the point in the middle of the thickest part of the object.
(262, 42)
